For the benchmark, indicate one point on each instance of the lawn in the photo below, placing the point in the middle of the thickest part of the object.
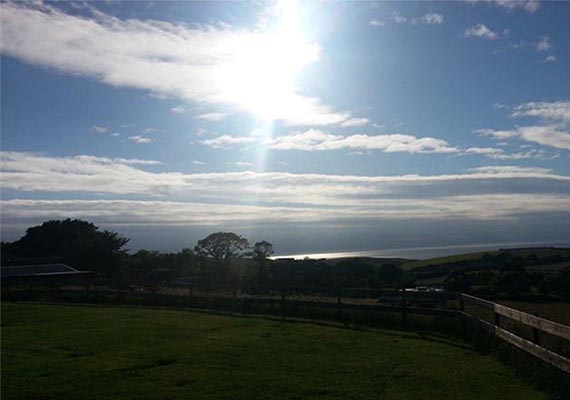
(82, 352)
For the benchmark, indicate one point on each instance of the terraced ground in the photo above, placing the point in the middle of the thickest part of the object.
(83, 352)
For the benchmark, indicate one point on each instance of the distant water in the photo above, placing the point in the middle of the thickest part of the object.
(426, 252)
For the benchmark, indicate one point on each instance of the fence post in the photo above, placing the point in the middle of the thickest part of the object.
(535, 332)
(282, 305)
(461, 302)
(404, 311)
(339, 304)
(497, 319)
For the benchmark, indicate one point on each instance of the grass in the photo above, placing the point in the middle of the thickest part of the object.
(82, 352)
(541, 252)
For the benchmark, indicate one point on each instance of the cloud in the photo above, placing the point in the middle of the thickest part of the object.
(376, 22)
(213, 116)
(197, 162)
(241, 164)
(550, 59)
(219, 65)
(399, 19)
(140, 139)
(554, 130)
(226, 141)
(481, 31)
(28, 172)
(529, 6)
(549, 111)
(432, 19)
(316, 140)
(123, 212)
(426, 19)
(178, 110)
(544, 44)
(548, 135)
(99, 129)
(500, 154)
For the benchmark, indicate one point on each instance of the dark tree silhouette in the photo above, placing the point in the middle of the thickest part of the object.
(72, 241)
(221, 246)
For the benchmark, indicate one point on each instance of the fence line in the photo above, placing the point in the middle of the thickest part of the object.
(405, 303)
(536, 323)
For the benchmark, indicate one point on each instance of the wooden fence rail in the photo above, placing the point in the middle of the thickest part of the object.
(536, 323)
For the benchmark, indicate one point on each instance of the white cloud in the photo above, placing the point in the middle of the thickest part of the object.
(554, 131)
(481, 31)
(550, 111)
(426, 19)
(197, 162)
(99, 129)
(376, 22)
(316, 140)
(432, 19)
(88, 174)
(123, 212)
(548, 135)
(178, 110)
(139, 139)
(399, 19)
(544, 44)
(551, 59)
(226, 141)
(241, 164)
(218, 65)
(115, 134)
(529, 6)
(213, 116)
(500, 154)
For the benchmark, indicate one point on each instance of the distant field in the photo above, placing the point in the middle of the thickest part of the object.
(541, 252)
(68, 352)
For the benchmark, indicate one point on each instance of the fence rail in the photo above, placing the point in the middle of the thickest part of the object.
(536, 323)
(400, 302)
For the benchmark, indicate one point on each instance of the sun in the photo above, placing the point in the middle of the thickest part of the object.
(261, 75)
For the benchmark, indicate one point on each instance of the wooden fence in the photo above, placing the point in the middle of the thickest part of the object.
(404, 303)
(537, 324)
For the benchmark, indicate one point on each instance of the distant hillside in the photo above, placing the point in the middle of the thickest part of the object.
(482, 267)
(546, 255)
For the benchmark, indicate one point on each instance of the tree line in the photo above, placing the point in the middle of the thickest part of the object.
(222, 260)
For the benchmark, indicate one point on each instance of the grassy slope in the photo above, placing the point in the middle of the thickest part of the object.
(523, 252)
(70, 352)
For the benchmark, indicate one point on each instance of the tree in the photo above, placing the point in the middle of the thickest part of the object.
(261, 251)
(513, 282)
(73, 241)
(221, 246)
(458, 281)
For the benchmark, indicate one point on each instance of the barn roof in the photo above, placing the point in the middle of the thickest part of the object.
(40, 270)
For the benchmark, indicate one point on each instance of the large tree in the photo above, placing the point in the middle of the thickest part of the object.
(72, 241)
(221, 246)
(219, 251)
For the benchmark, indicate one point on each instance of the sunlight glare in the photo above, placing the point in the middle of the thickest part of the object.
(261, 77)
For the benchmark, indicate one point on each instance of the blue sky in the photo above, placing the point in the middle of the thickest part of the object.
(320, 126)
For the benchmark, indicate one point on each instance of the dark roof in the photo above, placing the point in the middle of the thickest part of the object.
(39, 270)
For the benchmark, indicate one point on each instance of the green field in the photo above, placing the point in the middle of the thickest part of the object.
(82, 352)
(540, 252)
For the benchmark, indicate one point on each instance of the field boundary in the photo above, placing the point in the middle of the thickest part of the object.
(400, 304)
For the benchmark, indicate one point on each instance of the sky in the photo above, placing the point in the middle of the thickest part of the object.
(319, 126)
